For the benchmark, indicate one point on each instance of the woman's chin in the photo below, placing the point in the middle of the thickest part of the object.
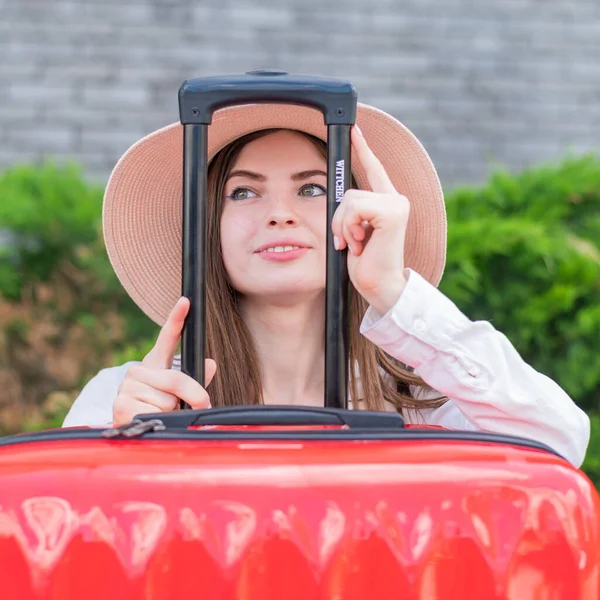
(285, 292)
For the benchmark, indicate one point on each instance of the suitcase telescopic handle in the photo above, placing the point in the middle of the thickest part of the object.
(198, 100)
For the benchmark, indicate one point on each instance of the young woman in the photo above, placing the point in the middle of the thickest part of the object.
(411, 348)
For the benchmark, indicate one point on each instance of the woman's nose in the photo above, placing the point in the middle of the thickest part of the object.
(278, 220)
(281, 213)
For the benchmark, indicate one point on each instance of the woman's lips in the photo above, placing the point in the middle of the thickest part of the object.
(283, 255)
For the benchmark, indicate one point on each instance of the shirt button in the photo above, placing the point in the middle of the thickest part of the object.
(420, 326)
(474, 372)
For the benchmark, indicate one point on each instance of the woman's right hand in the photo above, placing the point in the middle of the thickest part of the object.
(153, 386)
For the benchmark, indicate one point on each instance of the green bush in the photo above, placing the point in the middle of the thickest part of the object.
(63, 313)
(52, 216)
(523, 253)
(591, 466)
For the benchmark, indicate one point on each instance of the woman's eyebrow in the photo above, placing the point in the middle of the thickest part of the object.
(307, 174)
(258, 177)
(247, 174)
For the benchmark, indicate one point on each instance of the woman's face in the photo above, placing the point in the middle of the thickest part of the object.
(274, 217)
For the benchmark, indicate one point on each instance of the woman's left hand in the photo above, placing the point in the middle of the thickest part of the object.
(372, 224)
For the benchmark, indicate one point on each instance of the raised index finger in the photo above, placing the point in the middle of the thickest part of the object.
(376, 174)
(161, 355)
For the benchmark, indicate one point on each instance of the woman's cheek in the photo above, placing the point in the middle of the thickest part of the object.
(236, 244)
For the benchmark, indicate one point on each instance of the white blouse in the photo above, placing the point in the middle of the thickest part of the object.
(489, 386)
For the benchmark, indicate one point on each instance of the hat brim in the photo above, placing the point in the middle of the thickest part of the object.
(142, 211)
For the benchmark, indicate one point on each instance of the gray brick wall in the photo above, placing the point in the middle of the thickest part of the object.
(480, 82)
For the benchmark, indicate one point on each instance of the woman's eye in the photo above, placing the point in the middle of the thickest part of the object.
(312, 189)
(240, 194)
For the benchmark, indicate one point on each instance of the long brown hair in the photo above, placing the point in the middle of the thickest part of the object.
(228, 340)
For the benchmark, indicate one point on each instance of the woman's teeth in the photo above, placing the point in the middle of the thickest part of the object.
(282, 249)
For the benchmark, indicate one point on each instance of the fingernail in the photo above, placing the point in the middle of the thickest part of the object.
(336, 242)
(358, 130)
(350, 249)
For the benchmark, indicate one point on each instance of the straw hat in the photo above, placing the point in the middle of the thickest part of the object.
(143, 200)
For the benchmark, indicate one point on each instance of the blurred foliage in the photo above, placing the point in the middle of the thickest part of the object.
(52, 220)
(63, 313)
(591, 465)
(523, 253)
(51, 217)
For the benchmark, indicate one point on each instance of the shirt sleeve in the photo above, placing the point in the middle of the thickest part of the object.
(94, 405)
(489, 386)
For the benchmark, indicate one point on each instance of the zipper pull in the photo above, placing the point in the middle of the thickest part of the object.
(136, 428)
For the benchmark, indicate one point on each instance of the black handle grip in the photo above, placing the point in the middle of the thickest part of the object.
(200, 98)
(277, 415)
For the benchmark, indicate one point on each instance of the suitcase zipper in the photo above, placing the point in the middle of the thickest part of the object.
(135, 429)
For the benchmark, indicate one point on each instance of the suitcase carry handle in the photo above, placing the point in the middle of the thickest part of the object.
(277, 415)
(198, 99)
